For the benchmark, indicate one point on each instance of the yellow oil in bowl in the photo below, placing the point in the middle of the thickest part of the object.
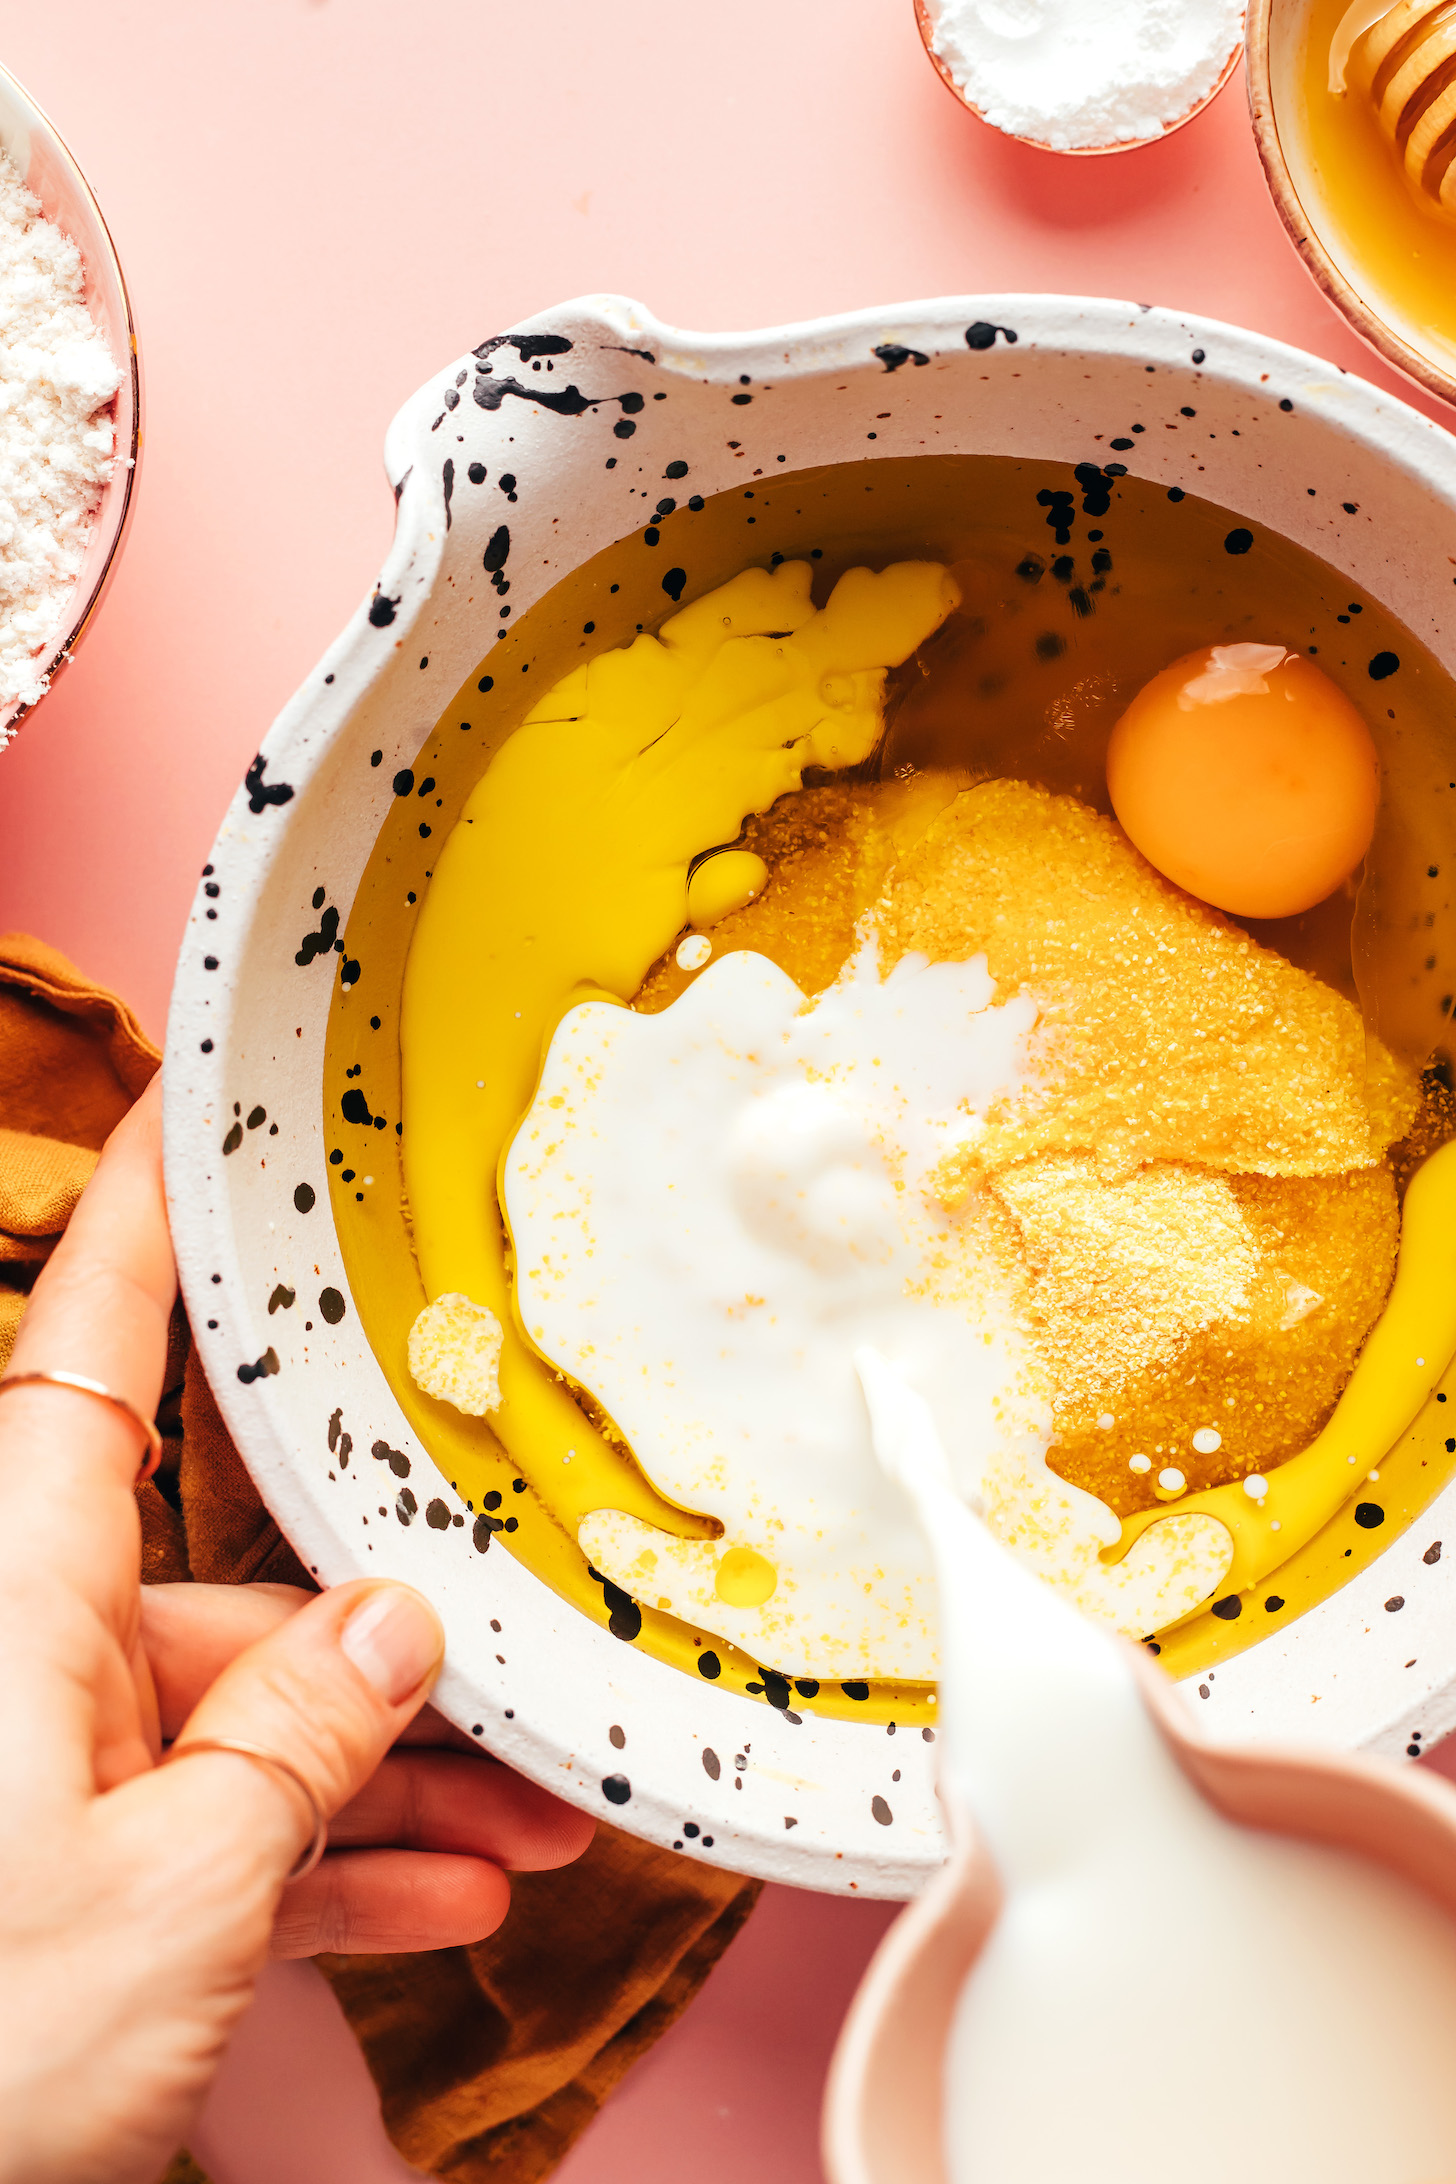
(1026, 680)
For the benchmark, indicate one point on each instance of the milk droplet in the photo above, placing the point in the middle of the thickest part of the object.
(693, 952)
(1207, 1439)
(1139, 1463)
(1172, 1481)
(1299, 1301)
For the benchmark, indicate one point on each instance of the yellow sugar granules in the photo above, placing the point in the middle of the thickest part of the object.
(1204, 1228)
(1264, 1377)
(1118, 1274)
(1168, 1033)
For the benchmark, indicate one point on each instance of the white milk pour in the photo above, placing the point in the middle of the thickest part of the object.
(1166, 1997)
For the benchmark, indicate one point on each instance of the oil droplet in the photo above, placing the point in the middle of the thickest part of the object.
(745, 1579)
(724, 883)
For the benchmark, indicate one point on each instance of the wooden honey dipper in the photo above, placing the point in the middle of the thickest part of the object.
(1405, 62)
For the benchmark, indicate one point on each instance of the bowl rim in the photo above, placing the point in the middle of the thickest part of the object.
(1373, 330)
(1070, 151)
(203, 1076)
(83, 607)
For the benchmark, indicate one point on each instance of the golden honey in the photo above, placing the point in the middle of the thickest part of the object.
(1393, 242)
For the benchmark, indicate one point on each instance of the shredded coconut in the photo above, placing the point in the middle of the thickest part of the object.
(57, 444)
(1077, 76)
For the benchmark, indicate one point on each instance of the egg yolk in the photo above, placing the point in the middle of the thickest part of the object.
(1245, 777)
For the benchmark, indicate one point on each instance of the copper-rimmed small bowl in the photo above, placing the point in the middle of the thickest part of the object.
(1274, 39)
(1066, 151)
(45, 165)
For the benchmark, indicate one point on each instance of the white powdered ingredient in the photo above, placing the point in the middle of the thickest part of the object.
(57, 380)
(1078, 74)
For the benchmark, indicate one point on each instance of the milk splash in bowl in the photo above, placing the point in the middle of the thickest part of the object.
(710, 1208)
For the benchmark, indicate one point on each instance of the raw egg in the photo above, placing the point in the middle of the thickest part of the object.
(1244, 776)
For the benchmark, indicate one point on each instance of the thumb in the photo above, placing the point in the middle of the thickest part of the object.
(326, 1693)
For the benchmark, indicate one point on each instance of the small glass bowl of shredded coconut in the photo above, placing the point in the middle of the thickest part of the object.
(69, 404)
(1074, 76)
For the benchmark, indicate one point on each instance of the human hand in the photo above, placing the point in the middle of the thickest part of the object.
(138, 1902)
(415, 1857)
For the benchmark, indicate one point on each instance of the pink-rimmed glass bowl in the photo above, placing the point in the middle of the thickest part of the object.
(958, 91)
(43, 161)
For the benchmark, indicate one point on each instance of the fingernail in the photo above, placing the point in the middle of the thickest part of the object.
(394, 1640)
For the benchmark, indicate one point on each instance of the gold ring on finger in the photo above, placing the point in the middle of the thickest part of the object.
(83, 1385)
(284, 1767)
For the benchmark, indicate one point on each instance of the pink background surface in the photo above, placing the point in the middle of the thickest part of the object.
(319, 202)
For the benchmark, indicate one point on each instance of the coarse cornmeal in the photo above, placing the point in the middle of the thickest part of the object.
(1176, 1037)
(1197, 1206)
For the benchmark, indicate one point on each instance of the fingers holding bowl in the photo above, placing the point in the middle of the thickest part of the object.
(191, 1632)
(453, 1823)
(391, 1902)
(472, 1805)
(102, 1302)
(314, 1704)
(330, 1688)
(297, 1698)
(99, 1310)
(416, 1853)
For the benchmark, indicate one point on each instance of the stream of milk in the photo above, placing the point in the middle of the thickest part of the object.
(1167, 1997)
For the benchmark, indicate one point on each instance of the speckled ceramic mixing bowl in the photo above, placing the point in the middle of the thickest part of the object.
(587, 410)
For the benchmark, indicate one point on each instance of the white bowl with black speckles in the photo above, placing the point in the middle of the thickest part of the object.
(1043, 376)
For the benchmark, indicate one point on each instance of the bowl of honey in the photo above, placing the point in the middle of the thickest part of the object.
(1353, 116)
(929, 828)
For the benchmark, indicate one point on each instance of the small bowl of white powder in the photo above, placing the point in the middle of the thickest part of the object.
(1068, 76)
(70, 404)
